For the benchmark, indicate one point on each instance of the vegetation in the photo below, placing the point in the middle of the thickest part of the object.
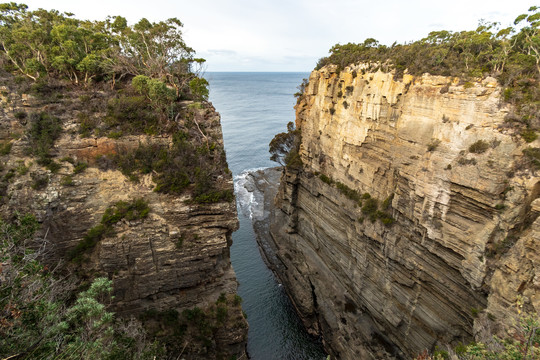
(149, 70)
(40, 44)
(177, 167)
(196, 328)
(42, 317)
(479, 147)
(511, 54)
(522, 343)
(369, 205)
(285, 148)
(5, 147)
(136, 209)
(43, 132)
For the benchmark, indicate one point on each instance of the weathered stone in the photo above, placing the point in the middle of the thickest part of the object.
(149, 266)
(408, 286)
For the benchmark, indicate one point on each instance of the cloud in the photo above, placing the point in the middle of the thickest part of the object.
(273, 35)
(222, 52)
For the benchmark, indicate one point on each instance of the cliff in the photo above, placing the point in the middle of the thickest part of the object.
(413, 222)
(175, 257)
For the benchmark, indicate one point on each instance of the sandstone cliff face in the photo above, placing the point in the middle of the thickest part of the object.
(462, 243)
(176, 258)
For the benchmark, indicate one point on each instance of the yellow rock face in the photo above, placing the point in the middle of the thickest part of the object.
(409, 140)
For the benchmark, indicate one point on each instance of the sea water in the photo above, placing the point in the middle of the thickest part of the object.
(254, 107)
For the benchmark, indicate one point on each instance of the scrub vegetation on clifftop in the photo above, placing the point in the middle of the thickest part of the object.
(510, 54)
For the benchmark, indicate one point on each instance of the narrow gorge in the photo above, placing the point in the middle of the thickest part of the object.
(412, 224)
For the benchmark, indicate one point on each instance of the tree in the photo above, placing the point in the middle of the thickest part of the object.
(37, 320)
(285, 147)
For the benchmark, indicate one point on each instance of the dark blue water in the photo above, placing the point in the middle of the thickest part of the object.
(254, 107)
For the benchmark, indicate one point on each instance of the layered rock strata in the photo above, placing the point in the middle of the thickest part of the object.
(175, 259)
(457, 246)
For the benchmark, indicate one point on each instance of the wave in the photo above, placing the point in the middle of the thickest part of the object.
(247, 198)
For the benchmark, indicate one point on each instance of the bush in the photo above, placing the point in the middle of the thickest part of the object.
(529, 135)
(285, 147)
(326, 179)
(348, 192)
(80, 167)
(44, 131)
(5, 147)
(479, 147)
(131, 114)
(20, 115)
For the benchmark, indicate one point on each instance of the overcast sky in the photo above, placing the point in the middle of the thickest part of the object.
(291, 35)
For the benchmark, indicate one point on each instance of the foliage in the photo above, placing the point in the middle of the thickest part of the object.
(479, 147)
(39, 321)
(44, 43)
(136, 209)
(5, 147)
(79, 167)
(529, 135)
(301, 89)
(521, 343)
(326, 179)
(348, 192)
(511, 54)
(43, 132)
(368, 204)
(285, 147)
(176, 167)
(129, 114)
(195, 330)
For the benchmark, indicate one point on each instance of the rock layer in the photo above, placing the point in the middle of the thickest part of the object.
(176, 258)
(461, 244)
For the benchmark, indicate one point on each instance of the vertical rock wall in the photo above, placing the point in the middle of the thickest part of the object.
(461, 245)
(175, 259)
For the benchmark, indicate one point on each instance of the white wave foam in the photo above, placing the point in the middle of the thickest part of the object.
(244, 189)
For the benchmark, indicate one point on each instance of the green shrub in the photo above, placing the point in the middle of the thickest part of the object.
(529, 135)
(114, 134)
(40, 181)
(326, 179)
(131, 114)
(479, 147)
(67, 180)
(20, 115)
(5, 147)
(44, 130)
(175, 168)
(348, 192)
(237, 300)
(370, 206)
(80, 167)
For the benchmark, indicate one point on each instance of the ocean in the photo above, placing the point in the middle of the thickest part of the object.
(254, 107)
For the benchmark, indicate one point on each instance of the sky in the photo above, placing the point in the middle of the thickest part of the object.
(291, 35)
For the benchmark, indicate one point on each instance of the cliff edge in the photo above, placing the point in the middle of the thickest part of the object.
(413, 222)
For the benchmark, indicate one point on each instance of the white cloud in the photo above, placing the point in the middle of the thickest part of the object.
(290, 35)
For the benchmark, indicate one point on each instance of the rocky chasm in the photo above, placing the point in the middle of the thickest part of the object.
(413, 223)
(176, 258)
